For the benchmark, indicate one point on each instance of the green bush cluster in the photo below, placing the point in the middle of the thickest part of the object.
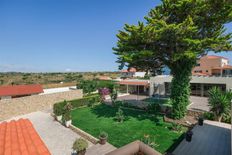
(85, 101)
(80, 145)
(59, 108)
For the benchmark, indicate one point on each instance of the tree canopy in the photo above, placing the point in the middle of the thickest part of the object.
(174, 30)
(175, 34)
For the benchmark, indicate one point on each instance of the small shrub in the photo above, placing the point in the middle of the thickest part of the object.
(80, 145)
(208, 115)
(103, 135)
(91, 101)
(119, 115)
(68, 107)
(66, 116)
(153, 108)
(58, 109)
(114, 96)
(176, 127)
(103, 92)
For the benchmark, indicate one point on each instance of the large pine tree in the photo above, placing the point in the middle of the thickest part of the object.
(176, 33)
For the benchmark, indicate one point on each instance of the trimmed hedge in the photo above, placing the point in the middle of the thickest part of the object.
(86, 101)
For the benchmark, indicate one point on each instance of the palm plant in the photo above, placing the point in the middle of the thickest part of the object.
(220, 103)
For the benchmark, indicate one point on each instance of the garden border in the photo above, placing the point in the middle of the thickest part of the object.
(84, 134)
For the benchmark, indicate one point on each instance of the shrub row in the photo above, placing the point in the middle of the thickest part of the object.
(58, 108)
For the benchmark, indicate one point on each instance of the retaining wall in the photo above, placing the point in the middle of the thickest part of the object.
(19, 106)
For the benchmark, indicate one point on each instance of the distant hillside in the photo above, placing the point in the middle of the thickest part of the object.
(50, 80)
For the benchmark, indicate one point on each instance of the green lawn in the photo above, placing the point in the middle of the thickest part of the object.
(137, 124)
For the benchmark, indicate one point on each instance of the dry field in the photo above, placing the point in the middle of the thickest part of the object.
(51, 80)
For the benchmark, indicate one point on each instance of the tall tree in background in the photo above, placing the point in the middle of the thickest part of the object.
(176, 33)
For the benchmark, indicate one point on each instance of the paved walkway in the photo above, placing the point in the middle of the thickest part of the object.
(58, 138)
(213, 138)
(198, 103)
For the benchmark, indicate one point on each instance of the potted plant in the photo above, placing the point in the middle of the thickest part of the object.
(188, 136)
(58, 111)
(200, 121)
(67, 119)
(80, 146)
(103, 137)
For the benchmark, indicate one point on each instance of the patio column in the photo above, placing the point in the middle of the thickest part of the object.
(137, 92)
(127, 89)
(202, 90)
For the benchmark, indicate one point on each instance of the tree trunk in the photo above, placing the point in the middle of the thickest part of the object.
(180, 86)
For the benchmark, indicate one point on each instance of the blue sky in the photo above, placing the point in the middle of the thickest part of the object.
(65, 35)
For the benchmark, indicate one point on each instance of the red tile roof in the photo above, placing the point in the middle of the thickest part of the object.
(200, 74)
(14, 90)
(224, 67)
(20, 138)
(213, 57)
(133, 70)
(137, 83)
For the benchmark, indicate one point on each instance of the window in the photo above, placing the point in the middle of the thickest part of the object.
(198, 64)
(207, 71)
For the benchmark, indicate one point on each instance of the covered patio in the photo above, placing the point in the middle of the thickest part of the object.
(136, 87)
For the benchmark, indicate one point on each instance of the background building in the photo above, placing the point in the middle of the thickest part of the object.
(200, 85)
(132, 73)
(213, 65)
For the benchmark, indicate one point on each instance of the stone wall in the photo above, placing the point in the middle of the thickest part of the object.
(19, 106)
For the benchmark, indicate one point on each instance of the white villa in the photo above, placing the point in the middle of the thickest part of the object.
(160, 85)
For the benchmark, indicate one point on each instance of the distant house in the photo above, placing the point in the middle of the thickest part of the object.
(212, 65)
(131, 73)
(15, 91)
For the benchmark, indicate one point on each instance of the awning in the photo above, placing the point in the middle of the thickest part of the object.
(134, 83)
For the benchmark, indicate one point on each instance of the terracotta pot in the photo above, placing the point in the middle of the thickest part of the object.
(102, 140)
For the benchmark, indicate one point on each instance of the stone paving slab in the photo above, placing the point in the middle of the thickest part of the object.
(213, 138)
(99, 149)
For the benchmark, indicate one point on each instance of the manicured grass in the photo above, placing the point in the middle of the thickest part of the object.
(137, 124)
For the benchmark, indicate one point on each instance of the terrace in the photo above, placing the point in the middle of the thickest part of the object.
(139, 124)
